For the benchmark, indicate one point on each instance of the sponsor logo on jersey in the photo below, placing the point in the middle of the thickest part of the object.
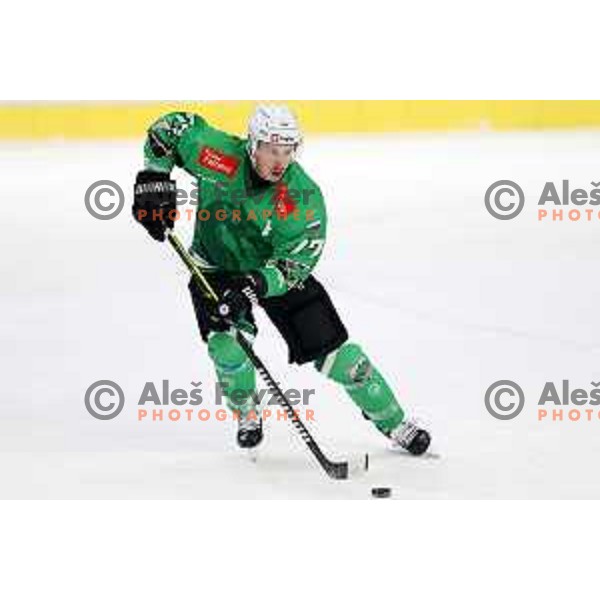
(218, 161)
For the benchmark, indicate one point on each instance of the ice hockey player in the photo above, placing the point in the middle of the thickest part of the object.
(260, 230)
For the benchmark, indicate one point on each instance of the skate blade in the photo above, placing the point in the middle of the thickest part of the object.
(429, 455)
(252, 454)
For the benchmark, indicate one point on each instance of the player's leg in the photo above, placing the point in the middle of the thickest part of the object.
(314, 332)
(235, 372)
(349, 366)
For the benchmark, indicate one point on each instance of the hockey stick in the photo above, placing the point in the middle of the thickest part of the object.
(336, 470)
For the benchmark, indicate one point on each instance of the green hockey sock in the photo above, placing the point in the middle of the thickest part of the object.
(235, 372)
(349, 366)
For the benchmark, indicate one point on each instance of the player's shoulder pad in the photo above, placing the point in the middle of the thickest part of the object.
(174, 125)
(224, 142)
(177, 122)
(303, 187)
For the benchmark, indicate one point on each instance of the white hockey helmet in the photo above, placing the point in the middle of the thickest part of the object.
(275, 124)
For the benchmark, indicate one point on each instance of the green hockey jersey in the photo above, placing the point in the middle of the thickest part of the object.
(242, 223)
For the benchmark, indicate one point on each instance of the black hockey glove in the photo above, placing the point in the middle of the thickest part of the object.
(239, 294)
(154, 197)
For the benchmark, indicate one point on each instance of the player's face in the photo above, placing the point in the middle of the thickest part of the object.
(272, 160)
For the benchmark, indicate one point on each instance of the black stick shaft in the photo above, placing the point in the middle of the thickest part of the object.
(336, 470)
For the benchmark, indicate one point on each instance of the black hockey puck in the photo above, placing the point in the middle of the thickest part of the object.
(381, 492)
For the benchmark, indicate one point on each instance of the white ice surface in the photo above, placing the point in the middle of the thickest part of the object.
(444, 298)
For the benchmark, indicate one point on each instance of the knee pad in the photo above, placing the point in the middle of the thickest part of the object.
(225, 352)
(347, 365)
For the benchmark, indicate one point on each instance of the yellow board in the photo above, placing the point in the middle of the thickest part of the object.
(129, 120)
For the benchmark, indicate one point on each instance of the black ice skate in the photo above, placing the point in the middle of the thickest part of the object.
(250, 432)
(410, 437)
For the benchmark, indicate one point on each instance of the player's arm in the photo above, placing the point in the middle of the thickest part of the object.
(155, 193)
(166, 138)
(298, 245)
